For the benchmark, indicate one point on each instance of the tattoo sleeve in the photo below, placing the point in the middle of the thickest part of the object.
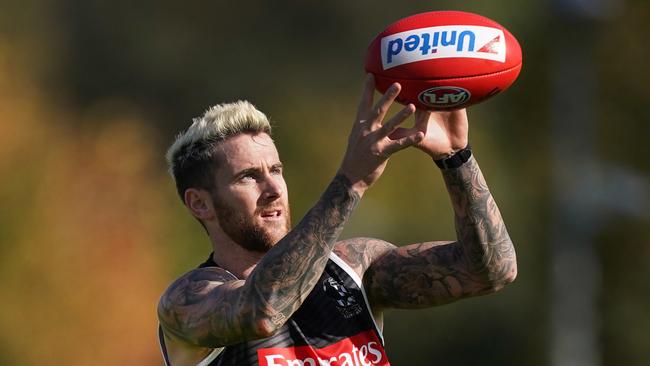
(209, 308)
(482, 260)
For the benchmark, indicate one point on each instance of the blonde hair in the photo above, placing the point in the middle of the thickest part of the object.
(191, 157)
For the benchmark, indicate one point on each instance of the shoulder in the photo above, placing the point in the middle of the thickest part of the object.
(360, 253)
(195, 282)
(188, 290)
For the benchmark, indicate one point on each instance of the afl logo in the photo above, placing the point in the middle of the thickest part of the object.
(444, 96)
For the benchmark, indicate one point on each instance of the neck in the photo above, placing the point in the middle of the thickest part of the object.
(233, 257)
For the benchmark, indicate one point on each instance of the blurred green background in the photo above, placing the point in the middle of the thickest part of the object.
(91, 230)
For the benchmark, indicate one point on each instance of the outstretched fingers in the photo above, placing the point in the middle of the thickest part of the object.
(421, 124)
(406, 137)
(383, 104)
(389, 126)
(411, 139)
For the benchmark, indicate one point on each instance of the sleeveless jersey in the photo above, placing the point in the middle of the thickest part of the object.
(332, 327)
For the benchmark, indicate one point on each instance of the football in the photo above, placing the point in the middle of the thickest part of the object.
(444, 60)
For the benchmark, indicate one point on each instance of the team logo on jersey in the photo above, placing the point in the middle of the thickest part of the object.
(345, 301)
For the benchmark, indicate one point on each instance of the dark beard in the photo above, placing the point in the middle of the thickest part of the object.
(243, 231)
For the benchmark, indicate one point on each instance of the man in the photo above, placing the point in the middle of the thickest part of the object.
(272, 295)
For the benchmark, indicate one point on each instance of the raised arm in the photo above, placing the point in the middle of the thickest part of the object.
(208, 308)
(480, 261)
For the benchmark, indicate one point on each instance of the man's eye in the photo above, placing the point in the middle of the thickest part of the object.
(276, 171)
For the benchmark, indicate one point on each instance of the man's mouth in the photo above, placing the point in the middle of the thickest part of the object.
(271, 214)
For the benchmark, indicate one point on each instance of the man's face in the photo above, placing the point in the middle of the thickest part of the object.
(250, 197)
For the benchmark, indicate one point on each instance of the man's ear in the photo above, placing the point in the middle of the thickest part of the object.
(199, 202)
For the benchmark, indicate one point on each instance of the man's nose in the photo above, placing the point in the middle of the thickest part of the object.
(272, 188)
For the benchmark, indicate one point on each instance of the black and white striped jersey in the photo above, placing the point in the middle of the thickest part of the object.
(333, 327)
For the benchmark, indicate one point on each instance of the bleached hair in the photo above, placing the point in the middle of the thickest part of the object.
(191, 157)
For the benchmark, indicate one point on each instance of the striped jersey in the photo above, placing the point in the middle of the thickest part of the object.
(333, 327)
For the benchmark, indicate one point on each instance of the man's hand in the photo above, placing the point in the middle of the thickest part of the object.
(369, 146)
(444, 132)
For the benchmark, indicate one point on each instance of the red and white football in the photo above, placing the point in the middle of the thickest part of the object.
(444, 59)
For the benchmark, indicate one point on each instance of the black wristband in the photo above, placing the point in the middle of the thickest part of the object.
(456, 160)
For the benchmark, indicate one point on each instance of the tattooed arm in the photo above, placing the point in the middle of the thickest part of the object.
(482, 260)
(208, 308)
